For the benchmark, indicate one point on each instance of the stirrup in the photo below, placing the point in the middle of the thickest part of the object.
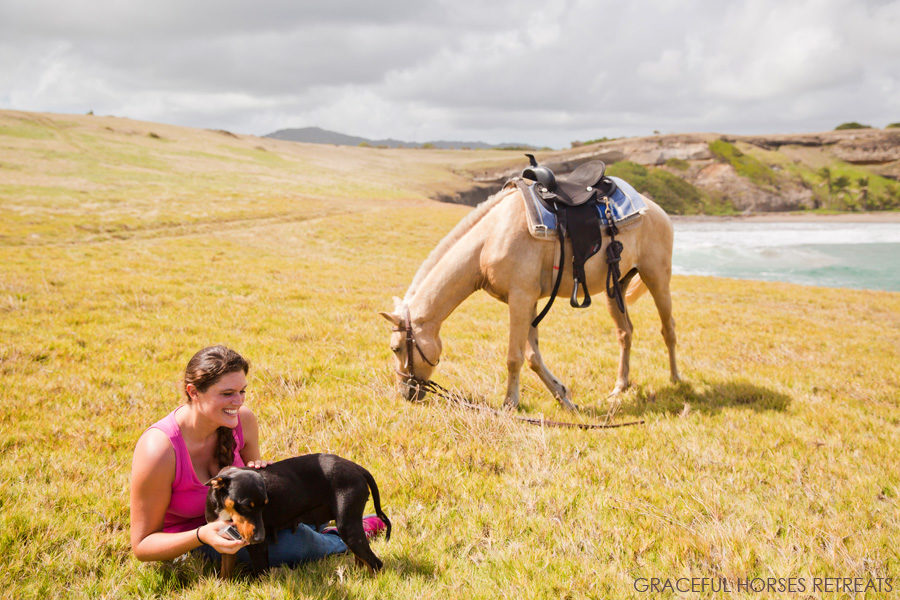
(574, 299)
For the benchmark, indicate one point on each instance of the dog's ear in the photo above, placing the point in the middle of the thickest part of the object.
(223, 478)
(218, 482)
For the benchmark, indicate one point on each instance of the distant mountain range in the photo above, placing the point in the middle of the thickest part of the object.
(317, 135)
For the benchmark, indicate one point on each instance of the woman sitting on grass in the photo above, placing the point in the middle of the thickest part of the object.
(176, 456)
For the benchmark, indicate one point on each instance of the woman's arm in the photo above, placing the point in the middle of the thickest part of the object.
(152, 474)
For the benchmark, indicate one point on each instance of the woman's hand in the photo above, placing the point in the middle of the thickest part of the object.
(209, 534)
(259, 464)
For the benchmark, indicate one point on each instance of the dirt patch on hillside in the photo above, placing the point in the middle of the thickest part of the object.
(744, 195)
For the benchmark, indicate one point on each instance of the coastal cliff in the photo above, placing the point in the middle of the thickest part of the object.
(854, 170)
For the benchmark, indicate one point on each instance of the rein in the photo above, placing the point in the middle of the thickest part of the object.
(445, 394)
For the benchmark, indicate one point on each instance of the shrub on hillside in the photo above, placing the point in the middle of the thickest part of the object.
(678, 163)
(853, 188)
(745, 165)
(893, 126)
(852, 125)
(675, 195)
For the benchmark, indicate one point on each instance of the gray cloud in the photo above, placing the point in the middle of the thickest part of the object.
(543, 72)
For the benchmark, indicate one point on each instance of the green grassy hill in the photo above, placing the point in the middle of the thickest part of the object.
(127, 246)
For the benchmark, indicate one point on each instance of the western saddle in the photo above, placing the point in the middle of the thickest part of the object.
(585, 183)
(577, 200)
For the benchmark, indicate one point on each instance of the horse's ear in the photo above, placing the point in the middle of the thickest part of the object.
(392, 318)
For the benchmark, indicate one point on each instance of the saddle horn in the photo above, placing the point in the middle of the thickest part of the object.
(541, 174)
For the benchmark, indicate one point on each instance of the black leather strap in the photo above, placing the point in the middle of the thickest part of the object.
(561, 234)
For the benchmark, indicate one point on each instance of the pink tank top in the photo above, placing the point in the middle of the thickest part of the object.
(188, 504)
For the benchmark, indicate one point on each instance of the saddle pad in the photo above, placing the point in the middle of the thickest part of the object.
(626, 206)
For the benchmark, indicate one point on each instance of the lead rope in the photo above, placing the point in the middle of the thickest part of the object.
(445, 394)
(613, 256)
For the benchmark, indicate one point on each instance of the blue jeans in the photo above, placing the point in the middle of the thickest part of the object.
(292, 548)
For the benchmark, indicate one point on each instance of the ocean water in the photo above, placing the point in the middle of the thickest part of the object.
(851, 255)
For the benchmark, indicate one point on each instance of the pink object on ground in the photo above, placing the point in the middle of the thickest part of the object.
(372, 525)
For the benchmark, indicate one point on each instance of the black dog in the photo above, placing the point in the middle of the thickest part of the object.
(311, 489)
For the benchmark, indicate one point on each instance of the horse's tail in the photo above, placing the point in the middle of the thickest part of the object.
(635, 289)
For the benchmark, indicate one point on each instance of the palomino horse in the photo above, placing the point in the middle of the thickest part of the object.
(492, 249)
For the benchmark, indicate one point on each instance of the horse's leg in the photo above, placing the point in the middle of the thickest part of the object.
(657, 281)
(536, 363)
(624, 330)
(521, 309)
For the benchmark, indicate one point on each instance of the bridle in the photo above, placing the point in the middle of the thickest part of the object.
(405, 327)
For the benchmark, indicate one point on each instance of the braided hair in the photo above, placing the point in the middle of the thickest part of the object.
(203, 370)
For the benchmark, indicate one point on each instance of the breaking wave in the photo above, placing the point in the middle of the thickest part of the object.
(854, 255)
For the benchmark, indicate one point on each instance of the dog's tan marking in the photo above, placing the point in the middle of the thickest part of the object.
(244, 527)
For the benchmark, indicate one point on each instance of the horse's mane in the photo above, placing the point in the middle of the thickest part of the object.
(451, 238)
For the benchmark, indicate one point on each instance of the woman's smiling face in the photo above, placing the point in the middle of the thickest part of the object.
(221, 401)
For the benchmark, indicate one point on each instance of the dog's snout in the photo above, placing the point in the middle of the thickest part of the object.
(252, 530)
(259, 534)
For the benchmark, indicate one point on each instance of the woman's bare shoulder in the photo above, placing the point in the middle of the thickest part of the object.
(247, 416)
(154, 451)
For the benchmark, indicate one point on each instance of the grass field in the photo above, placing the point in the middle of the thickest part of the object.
(123, 253)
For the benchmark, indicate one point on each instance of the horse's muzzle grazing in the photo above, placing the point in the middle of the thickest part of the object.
(411, 390)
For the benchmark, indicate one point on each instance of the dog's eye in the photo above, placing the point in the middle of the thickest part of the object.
(253, 505)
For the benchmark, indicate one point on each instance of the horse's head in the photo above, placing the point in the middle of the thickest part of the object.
(416, 351)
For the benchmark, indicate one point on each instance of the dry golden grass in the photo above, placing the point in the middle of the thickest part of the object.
(87, 178)
(777, 458)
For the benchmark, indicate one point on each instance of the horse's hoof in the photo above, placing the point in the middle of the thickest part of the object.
(566, 402)
(616, 391)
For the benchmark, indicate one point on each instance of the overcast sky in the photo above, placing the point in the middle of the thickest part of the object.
(543, 72)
